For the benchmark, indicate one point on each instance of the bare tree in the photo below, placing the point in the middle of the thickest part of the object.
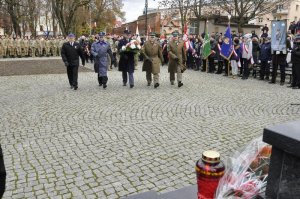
(13, 9)
(245, 10)
(65, 11)
(182, 5)
(199, 10)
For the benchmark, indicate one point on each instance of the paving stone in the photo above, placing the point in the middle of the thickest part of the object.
(61, 143)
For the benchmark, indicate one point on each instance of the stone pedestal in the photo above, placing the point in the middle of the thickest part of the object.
(284, 173)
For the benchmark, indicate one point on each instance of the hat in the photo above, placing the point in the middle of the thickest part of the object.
(297, 37)
(71, 35)
(152, 34)
(248, 36)
(175, 33)
(101, 34)
(127, 32)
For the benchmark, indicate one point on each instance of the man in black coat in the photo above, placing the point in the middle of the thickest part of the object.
(2, 174)
(279, 58)
(70, 53)
(126, 63)
(296, 63)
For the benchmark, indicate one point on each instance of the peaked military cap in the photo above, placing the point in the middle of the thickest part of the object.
(175, 33)
(152, 34)
(71, 35)
(101, 34)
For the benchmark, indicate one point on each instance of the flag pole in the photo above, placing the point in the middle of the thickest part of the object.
(229, 17)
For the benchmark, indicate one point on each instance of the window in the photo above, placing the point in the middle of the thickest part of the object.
(297, 7)
(279, 7)
(193, 27)
(260, 20)
(41, 28)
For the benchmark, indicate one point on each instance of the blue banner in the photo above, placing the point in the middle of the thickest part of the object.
(278, 36)
(227, 47)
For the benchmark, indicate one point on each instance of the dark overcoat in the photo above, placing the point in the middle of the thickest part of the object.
(126, 62)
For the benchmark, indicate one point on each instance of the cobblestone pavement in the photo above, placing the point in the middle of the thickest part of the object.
(95, 143)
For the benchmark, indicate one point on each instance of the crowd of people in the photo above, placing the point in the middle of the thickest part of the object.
(252, 53)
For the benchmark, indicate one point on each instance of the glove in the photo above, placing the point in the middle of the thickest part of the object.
(176, 59)
(269, 62)
(66, 64)
(259, 61)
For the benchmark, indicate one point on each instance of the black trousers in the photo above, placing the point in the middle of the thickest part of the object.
(296, 75)
(211, 64)
(220, 67)
(102, 80)
(282, 72)
(2, 174)
(73, 75)
(246, 67)
(203, 65)
(264, 69)
(226, 63)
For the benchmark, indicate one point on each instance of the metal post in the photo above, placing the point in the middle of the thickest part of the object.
(90, 19)
(146, 20)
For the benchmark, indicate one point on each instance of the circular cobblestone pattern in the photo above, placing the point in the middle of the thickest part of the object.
(95, 143)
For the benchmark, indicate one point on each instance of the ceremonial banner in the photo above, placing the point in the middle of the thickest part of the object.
(206, 45)
(227, 47)
(278, 35)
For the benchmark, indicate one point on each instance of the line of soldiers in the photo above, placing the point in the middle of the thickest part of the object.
(30, 47)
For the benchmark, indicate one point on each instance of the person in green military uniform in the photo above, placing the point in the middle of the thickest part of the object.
(11, 47)
(18, 46)
(48, 46)
(33, 46)
(4, 43)
(177, 58)
(152, 59)
(26, 46)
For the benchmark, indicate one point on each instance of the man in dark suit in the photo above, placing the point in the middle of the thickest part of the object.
(2, 174)
(126, 63)
(70, 53)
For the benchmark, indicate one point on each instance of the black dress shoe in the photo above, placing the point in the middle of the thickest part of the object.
(156, 85)
(296, 87)
(131, 86)
(261, 78)
(104, 86)
(148, 84)
(75, 88)
(271, 82)
(100, 84)
(124, 84)
(281, 83)
(71, 87)
(180, 84)
(290, 86)
(225, 75)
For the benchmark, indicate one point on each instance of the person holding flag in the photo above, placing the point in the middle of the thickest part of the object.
(177, 59)
(206, 50)
(227, 49)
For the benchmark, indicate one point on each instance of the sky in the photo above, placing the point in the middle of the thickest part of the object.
(134, 8)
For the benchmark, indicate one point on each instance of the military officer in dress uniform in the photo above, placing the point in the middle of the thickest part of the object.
(70, 53)
(152, 59)
(177, 59)
(126, 63)
(100, 50)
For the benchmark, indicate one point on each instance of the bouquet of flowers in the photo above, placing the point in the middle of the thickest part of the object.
(133, 46)
(246, 176)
